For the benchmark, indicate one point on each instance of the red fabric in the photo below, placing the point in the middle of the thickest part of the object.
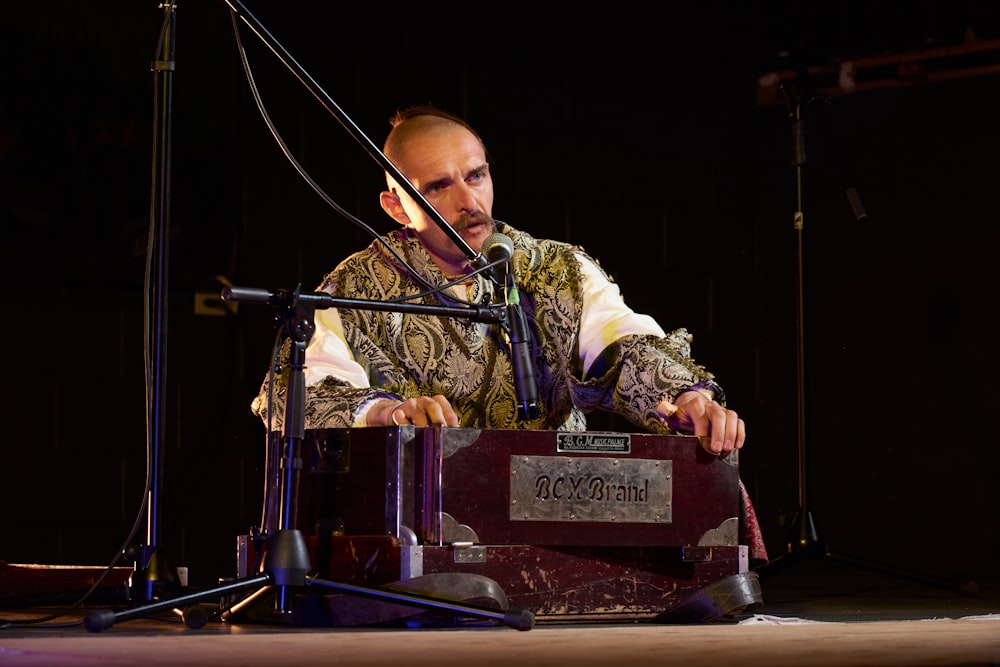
(750, 533)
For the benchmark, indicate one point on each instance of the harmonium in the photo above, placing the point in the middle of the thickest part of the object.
(572, 526)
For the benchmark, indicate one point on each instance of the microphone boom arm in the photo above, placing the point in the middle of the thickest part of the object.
(476, 260)
(491, 314)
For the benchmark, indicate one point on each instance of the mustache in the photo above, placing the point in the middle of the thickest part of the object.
(466, 220)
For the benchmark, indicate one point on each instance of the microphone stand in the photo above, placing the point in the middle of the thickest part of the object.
(286, 563)
(804, 541)
(157, 577)
(286, 558)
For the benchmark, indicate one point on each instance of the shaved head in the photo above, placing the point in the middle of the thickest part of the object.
(415, 121)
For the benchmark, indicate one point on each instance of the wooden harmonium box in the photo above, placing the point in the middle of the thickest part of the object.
(438, 486)
(572, 526)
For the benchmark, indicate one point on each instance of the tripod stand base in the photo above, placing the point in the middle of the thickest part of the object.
(155, 577)
(286, 560)
(806, 545)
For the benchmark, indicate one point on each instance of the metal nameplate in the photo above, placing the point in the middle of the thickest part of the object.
(612, 443)
(590, 488)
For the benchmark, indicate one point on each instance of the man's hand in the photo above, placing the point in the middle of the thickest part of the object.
(720, 430)
(420, 411)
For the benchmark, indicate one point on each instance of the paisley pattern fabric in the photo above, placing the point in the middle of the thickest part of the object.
(408, 355)
(414, 354)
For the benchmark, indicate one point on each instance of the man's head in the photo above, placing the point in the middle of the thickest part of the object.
(447, 163)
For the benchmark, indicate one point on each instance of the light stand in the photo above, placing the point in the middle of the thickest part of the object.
(804, 541)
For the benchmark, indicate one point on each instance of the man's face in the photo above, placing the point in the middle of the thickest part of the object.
(447, 165)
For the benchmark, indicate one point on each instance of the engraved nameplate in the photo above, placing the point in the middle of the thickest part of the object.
(565, 488)
(612, 443)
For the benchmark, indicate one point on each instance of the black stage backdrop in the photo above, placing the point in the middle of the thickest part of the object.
(653, 137)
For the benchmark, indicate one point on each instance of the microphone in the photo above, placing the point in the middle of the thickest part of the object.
(498, 247)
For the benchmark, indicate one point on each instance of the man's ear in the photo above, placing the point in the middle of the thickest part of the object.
(391, 205)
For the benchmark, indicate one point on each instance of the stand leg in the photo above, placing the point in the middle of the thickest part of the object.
(102, 619)
(805, 544)
(520, 619)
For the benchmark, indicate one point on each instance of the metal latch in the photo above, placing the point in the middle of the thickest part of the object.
(467, 552)
(696, 554)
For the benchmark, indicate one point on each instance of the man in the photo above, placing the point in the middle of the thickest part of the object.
(590, 350)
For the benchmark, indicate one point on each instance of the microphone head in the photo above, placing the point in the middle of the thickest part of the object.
(498, 246)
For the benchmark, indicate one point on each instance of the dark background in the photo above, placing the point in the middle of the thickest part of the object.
(644, 133)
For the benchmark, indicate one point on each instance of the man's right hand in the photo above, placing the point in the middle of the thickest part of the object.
(420, 411)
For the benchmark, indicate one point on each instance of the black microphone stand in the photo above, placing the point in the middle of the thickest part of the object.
(154, 576)
(286, 563)
(804, 541)
(286, 558)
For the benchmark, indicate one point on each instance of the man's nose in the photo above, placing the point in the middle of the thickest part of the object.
(464, 199)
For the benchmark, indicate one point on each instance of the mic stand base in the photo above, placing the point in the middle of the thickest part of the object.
(804, 544)
(286, 557)
(286, 563)
(154, 577)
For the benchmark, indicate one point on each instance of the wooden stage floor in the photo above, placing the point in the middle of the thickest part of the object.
(815, 613)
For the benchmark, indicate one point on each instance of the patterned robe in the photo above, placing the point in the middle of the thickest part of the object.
(406, 355)
(411, 354)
